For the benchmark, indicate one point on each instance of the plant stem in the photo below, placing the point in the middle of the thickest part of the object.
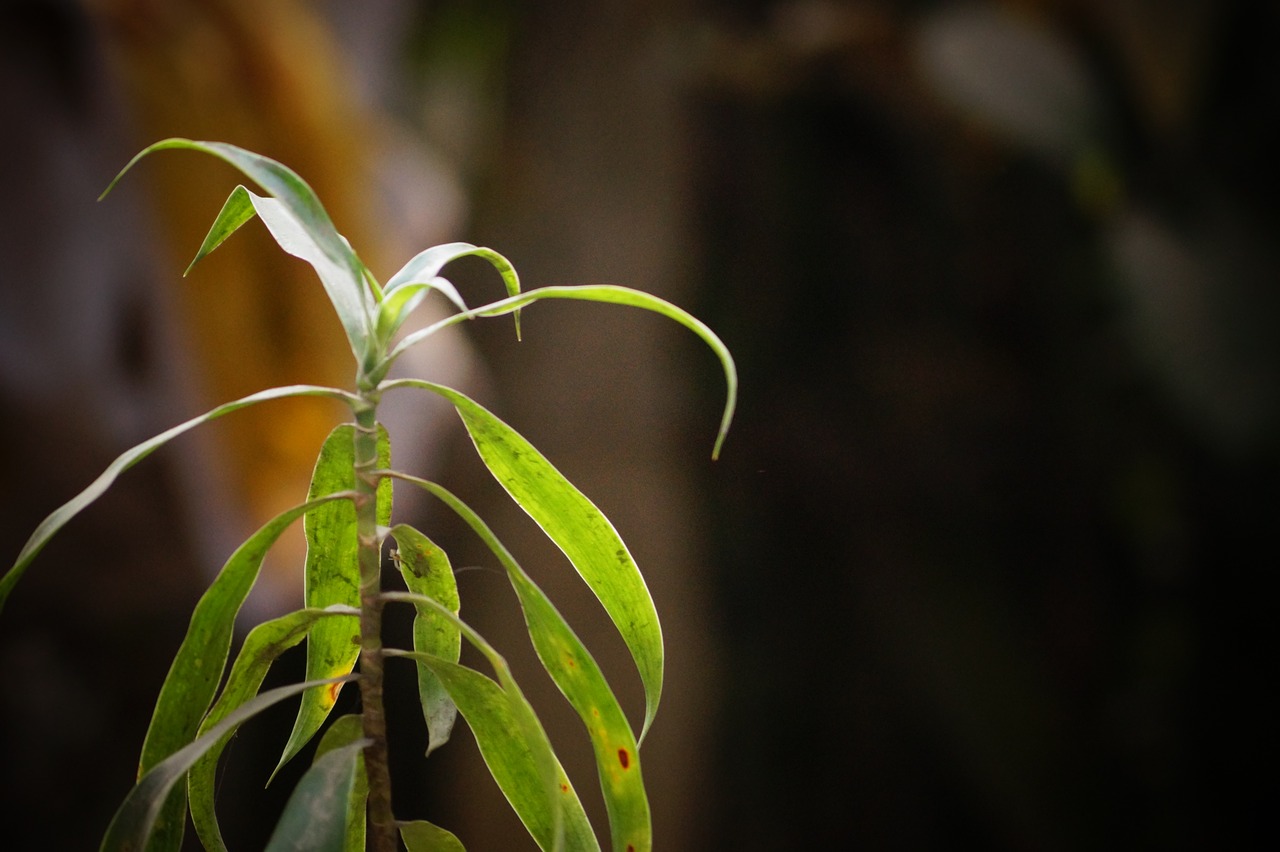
(382, 827)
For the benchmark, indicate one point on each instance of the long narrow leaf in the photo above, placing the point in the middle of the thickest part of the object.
(197, 668)
(424, 269)
(60, 516)
(575, 671)
(577, 527)
(315, 817)
(131, 827)
(261, 647)
(344, 731)
(426, 571)
(347, 292)
(610, 294)
(511, 740)
(332, 575)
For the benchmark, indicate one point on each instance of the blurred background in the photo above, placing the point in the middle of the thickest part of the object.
(977, 567)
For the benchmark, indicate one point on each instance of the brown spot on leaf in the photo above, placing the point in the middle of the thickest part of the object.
(624, 757)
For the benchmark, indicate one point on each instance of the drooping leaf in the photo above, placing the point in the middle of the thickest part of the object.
(197, 668)
(424, 269)
(577, 527)
(344, 731)
(346, 290)
(332, 575)
(60, 516)
(237, 210)
(261, 647)
(426, 571)
(132, 824)
(579, 677)
(511, 739)
(422, 836)
(315, 817)
(609, 294)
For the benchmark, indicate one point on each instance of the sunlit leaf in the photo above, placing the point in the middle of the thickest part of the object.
(575, 671)
(577, 527)
(609, 294)
(426, 571)
(132, 824)
(260, 649)
(332, 574)
(422, 836)
(315, 817)
(60, 516)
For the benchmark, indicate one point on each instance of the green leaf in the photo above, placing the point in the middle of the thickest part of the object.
(575, 671)
(577, 527)
(261, 647)
(426, 571)
(315, 818)
(197, 668)
(422, 836)
(519, 756)
(344, 731)
(132, 824)
(424, 269)
(237, 210)
(600, 293)
(60, 516)
(332, 574)
(299, 210)
(511, 740)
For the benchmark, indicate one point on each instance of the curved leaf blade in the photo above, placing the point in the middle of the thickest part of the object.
(610, 294)
(579, 677)
(264, 644)
(511, 740)
(132, 824)
(197, 668)
(519, 756)
(332, 574)
(344, 731)
(60, 516)
(577, 527)
(346, 290)
(424, 268)
(426, 571)
(315, 817)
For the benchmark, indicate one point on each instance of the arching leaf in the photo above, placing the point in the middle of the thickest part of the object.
(60, 516)
(131, 827)
(261, 647)
(511, 740)
(299, 212)
(577, 527)
(609, 294)
(197, 668)
(315, 817)
(575, 671)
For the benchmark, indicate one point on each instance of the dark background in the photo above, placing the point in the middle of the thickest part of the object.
(983, 563)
